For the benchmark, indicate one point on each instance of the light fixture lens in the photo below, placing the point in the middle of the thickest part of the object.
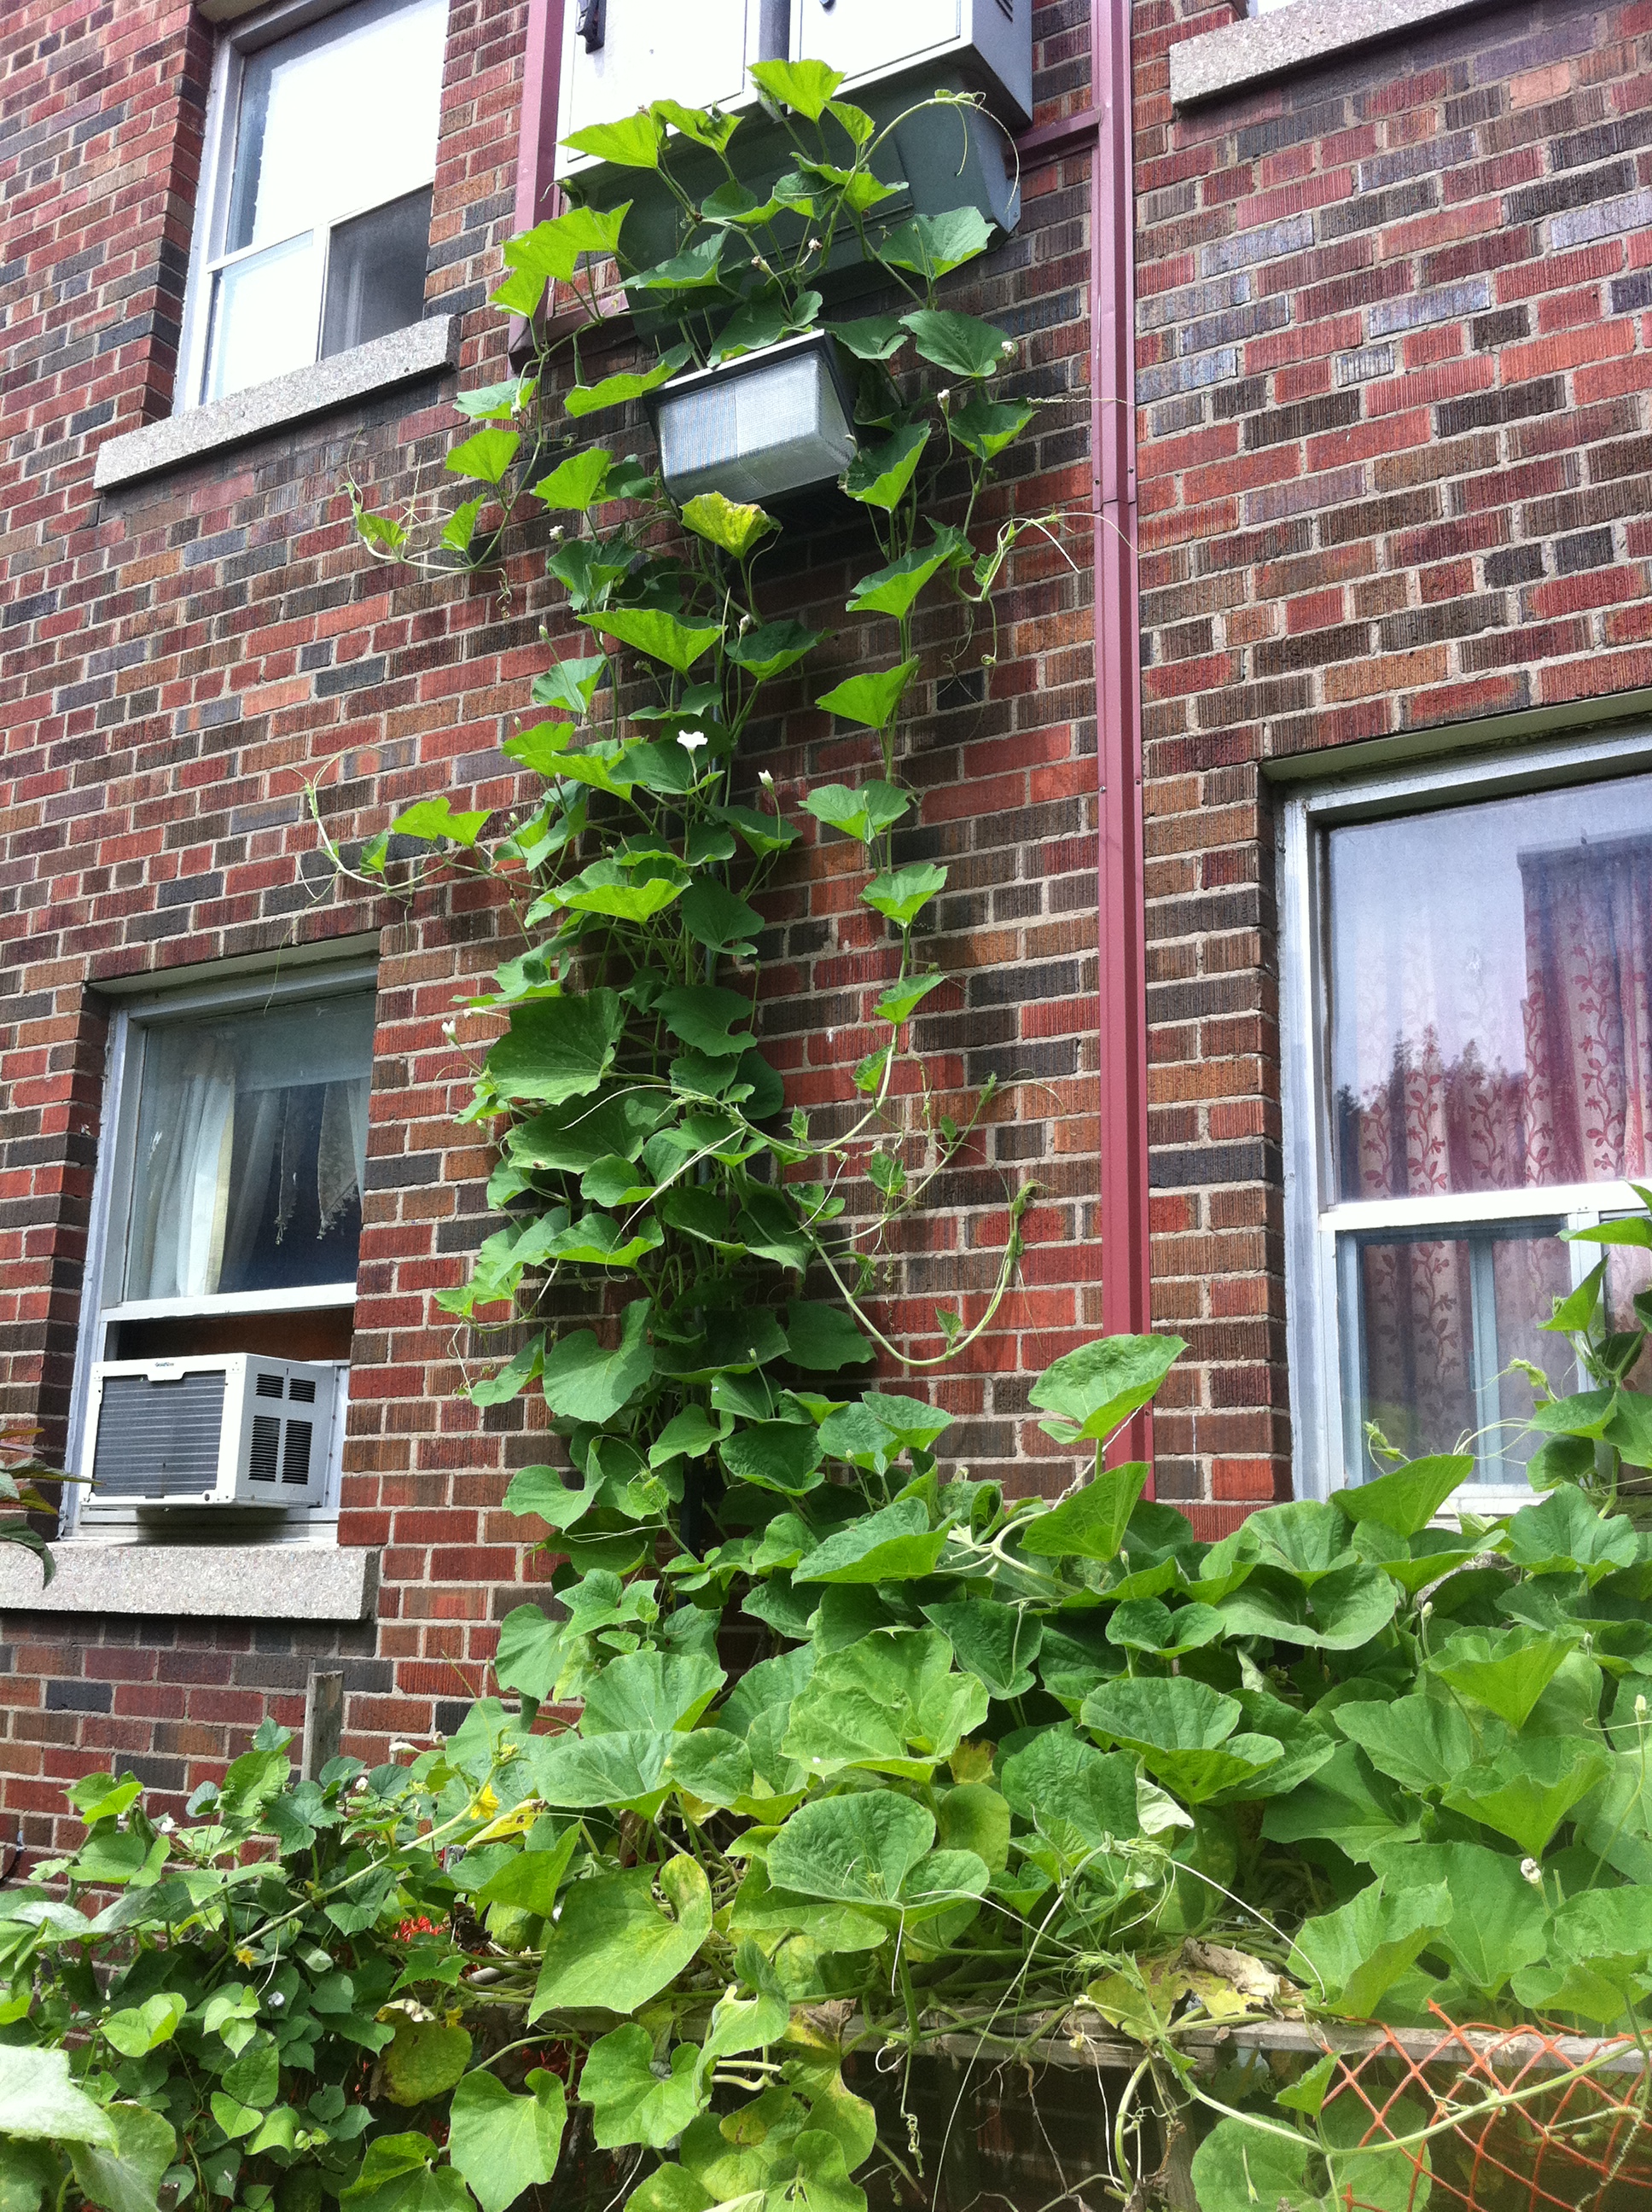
(756, 429)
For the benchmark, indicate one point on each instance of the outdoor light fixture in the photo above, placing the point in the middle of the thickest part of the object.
(769, 422)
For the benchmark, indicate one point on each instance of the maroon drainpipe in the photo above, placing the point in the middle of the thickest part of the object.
(1103, 130)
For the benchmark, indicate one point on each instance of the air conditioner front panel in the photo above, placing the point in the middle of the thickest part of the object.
(159, 1439)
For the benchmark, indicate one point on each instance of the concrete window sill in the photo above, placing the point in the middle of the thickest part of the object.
(1286, 39)
(195, 433)
(238, 1582)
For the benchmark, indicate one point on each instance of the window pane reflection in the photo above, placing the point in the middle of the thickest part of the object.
(1438, 1321)
(264, 317)
(251, 1150)
(1491, 1018)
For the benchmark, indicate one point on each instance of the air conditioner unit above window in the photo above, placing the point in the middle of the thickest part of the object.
(237, 1430)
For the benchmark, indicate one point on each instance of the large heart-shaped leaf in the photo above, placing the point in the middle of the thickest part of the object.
(630, 2102)
(1507, 1673)
(40, 2103)
(617, 1943)
(1345, 1803)
(962, 344)
(996, 1642)
(1348, 1959)
(864, 813)
(733, 529)
(1499, 1920)
(633, 144)
(1424, 1743)
(934, 246)
(1061, 1782)
(1566, 1531)
(487, 456)
(783, 1455)
(583, 1382)
(900, 895)
(805, 85)
(870, 699)
(708, 1019)
(1408, 1499)
(1090, 1392)
(1527, 1790)
(557, 1049)
(620, 390)
(125, 2176)
(576, 484)
(1091, 1523)
(895, 1545)
(1341, 1612)
(660, 634)
(823, 1339)
(879, 475)
(892, 1703)
(987, 427)
(892, 591)
(503, 2144)
(856, 1849)
(658, 1691)
(144, 2027)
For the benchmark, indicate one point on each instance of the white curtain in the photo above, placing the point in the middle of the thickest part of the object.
(178, 1247)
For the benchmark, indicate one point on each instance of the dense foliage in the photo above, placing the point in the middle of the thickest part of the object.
(813, 1750)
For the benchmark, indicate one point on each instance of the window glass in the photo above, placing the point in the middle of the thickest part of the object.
(1491, 995)
(251, 1150)
(328, 227)
(341, 117)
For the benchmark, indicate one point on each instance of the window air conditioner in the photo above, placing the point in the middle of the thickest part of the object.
(238, 1430)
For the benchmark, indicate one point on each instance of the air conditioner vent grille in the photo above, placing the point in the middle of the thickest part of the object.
(158, 1439)
(295, 1459)
(301, 1388)
(267, 1386)
(265, 1455)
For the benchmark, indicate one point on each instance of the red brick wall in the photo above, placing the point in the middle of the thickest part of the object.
(179, 656)
(1394, 361)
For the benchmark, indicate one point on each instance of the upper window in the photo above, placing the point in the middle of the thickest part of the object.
(1482, 1080)
(316, 219)
(226, 1214)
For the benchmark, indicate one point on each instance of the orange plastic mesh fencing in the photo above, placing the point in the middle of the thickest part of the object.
(1539, 2122)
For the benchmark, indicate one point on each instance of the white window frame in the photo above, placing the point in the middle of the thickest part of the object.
(237, 42)
(102, 1305)
(1320, 1249)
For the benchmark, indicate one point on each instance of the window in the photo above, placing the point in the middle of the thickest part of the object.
(227, 1207)
(1469, 1012)
(315, 212)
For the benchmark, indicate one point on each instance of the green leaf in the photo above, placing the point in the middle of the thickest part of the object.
(570, 685)
(987, 427)
(1423, 1743)
(934, 246)
(1499, 1920)
(1348, 1960)
(1566, 1531)
(779, 1455)
(962, 344)
(553, 249)
(891, 1703)
(856, 1849)
(660, 636)
(503, 2144)
(895, 1545)
(557, 1049)
(878, 338)
(1091, 1523)
(576, 485)
(580, 1774)
(630, 2103)
(864, 813)
(736, 530)
(996, 1643)
(892, 591)
(40, 2103)
(145, 2027)
(706, 126)
(823, 1339)
(696, 269)
(651, 1690)
(717, 919)
(1242, 2167)
(615, 1946)
(583, 1383)
(902, 1000)
(1340, 1612)
(705, 1016)
(633, 144)
(1183, 1731)
(100, 1797)
(670, 2189)
(434, 818)
(763, 653)
(493, 402)
(613, 888)
(1507, 1672)
(879, 475)
(1527, 1789)
(870, 698)
(127, 2176)
(1092, 1391)
(529, 1881)
(902, 894)
(486, 456)
(398, 2174)
(424, 2061)
(584, 400)
(805, 86)
(1344, 1803)
(1408, 1499)
(460, 527)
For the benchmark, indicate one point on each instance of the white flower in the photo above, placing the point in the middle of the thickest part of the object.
(1640, 1707)
(944, 397)
(450, 1030)
(765, 777)
(276, 2001)
(689, 740)
(166, 1826)
(1008, 346)
(411, 1749)
(1532, 1873)
(814, 245)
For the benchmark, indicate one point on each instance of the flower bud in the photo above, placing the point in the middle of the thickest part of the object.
(1532, 1873)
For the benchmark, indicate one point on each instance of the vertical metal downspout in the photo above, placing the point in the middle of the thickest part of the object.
(542, 84)
(1126, 1282)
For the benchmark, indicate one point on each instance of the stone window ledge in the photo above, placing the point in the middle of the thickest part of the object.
(236, 1581)
(194, 433)
(1234, 59)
